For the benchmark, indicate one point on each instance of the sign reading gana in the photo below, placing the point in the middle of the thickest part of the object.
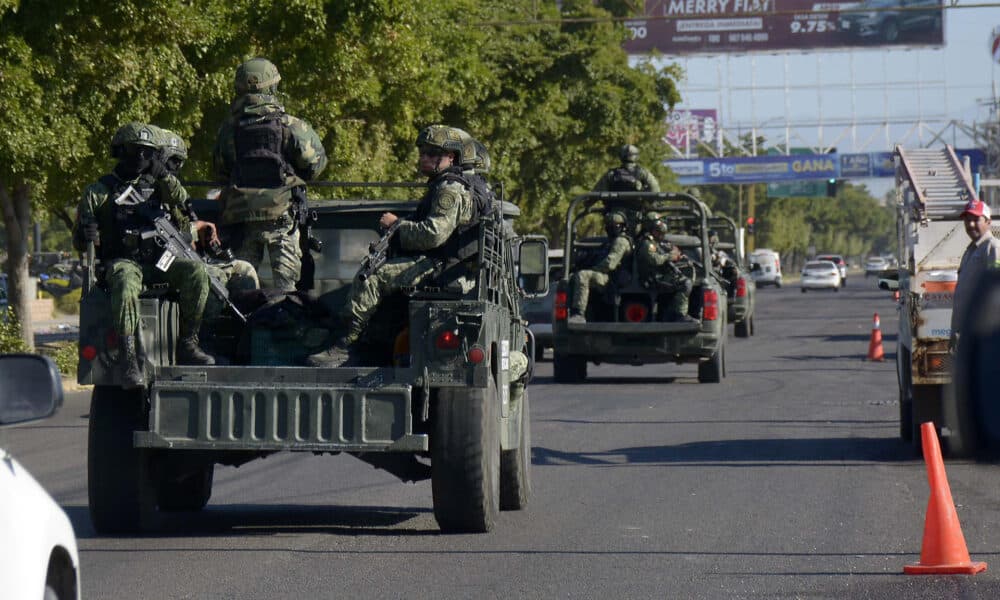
(676, 27)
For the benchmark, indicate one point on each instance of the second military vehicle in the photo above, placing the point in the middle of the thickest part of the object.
(625, 324)
(435, 398)
(740, 287)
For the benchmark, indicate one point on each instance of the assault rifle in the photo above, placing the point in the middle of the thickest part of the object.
(378, 252)
(164, 237)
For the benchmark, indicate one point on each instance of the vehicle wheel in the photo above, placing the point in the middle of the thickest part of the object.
(568, 369)
(753, 325)
(742, 328)
(465, 459)
(837, 289)
(803, 290)
(713, 369)
(927, 403)
(120, 485)
(539, 352)
(515, 466)
(959, 417)
(905, 398)
(777, 284)
(890, 31)
(189, 492)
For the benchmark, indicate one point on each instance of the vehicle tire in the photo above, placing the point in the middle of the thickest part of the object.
(959, 417)
(515, 465)
(742, 328)
(890, 31)
(803, 290)
(905, 397)
(753, 325)
(837, 289)
(120, 484)
(568, 369)
(465, 459)
(189, 493)
(539, 352)
(777, 284)
(927, 405)
(713, 369)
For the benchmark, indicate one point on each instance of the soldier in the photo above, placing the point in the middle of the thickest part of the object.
(236, 274)
(112, 228)
(619, 246)
(267, 156)
(439, 235)
(658, 265)
(629, 177)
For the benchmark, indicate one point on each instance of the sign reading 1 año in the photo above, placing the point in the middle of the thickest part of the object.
(755, 169)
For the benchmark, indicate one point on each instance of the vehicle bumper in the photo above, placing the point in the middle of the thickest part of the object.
(637, 343)
(820, 284)
(286, 408)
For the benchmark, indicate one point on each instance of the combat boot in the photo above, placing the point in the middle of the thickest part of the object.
(337, 356)
(131, 370)
(190, 353)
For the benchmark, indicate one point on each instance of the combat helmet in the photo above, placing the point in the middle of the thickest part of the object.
(615, 221)
(658, 228)
(444, 137)
(134, 134)
(649, 219)
(629, 153)
(482, 163)
(257, 75)
(173, 145)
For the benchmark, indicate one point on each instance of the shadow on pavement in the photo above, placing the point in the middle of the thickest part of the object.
(740, 452)
(267, 519)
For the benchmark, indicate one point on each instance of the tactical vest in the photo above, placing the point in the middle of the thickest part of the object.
(260, 162)
(262, 180)
(124, 221)
(622, 179)
(464, 241)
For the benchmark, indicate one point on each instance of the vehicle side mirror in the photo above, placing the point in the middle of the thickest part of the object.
(889, 285)
(533, 266)
(30, 388)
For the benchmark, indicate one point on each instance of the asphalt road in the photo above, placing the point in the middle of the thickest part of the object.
(785, 481)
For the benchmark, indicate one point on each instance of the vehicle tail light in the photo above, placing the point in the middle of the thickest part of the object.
(636, 312)
(111, 339)
(476, 355)
(559, 310)
(741, 288)
(88, 353)
(448, 340)
(710, 307)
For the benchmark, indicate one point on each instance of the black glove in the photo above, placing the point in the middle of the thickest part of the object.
(91, 233)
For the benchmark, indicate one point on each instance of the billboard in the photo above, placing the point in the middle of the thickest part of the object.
(678, 27)
(754, 169)
(691, 126)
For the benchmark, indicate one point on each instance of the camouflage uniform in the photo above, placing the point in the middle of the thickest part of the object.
(237, 275)
(645, 181)
(450, 207)
(126, 270)
(598, 276)
(254, 216)
(656, 273)
(428, 242)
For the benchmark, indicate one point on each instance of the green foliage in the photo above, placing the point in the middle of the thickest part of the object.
(67, 304)
(550, 100)
(66, 355)
(10, 335)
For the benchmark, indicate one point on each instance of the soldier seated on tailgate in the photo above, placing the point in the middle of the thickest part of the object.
(658, 263)
(615, 251)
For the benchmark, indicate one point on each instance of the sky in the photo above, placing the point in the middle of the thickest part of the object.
(827, 90)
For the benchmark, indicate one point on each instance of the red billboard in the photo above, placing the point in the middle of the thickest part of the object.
(678, 27)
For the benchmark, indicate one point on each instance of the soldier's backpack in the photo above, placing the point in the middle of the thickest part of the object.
(260, 162)
(622, 179)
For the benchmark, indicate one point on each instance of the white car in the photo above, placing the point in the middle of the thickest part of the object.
(875, 265)
(38, 554)
(820, 275)
(765, 267)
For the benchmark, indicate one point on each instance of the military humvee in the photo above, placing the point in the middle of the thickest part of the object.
(432, 401)
(740, 288)
(625, 324)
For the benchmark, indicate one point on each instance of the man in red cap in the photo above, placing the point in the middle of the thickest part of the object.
(982, 253)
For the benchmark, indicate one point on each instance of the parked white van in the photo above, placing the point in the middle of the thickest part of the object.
(765, 267)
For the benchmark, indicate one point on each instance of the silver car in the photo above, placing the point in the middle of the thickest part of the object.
(820, 275)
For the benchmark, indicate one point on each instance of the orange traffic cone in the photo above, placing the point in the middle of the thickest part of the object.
(943, 550)
(875, 351)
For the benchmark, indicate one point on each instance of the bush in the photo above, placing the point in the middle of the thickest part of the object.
(10, 334)
(65, 355)
(69, 304)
